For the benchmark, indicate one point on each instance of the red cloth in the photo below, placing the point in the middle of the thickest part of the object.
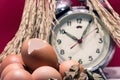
(10, 17)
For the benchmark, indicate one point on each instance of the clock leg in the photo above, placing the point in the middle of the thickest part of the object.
(102, 73)
(96, 75)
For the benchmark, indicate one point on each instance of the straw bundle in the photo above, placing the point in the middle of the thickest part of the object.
(109, 17)
(38, 16)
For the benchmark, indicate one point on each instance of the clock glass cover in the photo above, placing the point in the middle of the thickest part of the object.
(77, 37)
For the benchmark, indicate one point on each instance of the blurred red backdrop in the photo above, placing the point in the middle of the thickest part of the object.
(10, 17)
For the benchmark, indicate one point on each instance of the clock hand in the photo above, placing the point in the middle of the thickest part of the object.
(85, 31)
(88, 33)
(73, 45)
(80, 40)
(69, 35)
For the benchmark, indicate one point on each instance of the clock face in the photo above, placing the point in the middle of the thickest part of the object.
(77, 37)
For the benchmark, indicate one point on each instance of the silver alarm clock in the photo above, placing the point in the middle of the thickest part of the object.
(77, 37)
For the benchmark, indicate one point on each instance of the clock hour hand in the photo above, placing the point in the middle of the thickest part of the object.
(69, 35)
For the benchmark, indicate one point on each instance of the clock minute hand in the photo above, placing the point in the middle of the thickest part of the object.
(79, 41)
(85, 31)
(70, 35)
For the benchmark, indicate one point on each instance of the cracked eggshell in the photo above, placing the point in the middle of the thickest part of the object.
(36, 52)
(66, 65)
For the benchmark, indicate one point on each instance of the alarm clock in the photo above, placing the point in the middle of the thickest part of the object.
(76, 36)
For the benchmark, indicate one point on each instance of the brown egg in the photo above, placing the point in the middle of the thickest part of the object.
(18, 74)
(36, 52)
(20, 56)
(10, 67)
(46, 73)
(11, 58)
(66, 65)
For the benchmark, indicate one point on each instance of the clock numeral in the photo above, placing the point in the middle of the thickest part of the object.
(62, 31)
(90, 58)
(79, 20)
(97, 50)
(59, 41)
(100, 40)
(80, 61)
(69, 23)
(70, 57)
(62, 52)
(97, 30)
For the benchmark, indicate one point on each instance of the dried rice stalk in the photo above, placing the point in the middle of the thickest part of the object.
(36, 22)
(111, 21)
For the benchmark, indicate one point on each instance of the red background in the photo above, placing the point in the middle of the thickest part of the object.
(10, 17)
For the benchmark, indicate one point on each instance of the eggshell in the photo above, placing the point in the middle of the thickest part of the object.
(46, 73)
(11, 58)
(10, 67)
(18, 74)
(66, 65)
(36, 52)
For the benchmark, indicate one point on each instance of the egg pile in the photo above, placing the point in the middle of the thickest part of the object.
(37, 61)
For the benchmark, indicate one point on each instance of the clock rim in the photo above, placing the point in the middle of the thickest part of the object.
(111, 49)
